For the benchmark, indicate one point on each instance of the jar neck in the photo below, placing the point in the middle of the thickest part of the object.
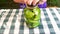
(31, 7)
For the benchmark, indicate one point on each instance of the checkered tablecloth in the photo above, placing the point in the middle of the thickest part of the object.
(12, 22)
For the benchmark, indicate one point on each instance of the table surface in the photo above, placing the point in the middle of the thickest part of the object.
(12, 22)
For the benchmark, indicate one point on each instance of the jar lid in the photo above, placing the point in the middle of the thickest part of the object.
(32, 6)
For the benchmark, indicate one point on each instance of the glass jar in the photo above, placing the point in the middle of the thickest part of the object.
(32, 16)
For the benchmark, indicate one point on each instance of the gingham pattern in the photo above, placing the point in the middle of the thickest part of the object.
(12, 22)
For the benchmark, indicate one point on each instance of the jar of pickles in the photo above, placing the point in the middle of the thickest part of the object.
(32, 16)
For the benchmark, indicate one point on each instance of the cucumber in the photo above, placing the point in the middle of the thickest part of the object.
(32, 17)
